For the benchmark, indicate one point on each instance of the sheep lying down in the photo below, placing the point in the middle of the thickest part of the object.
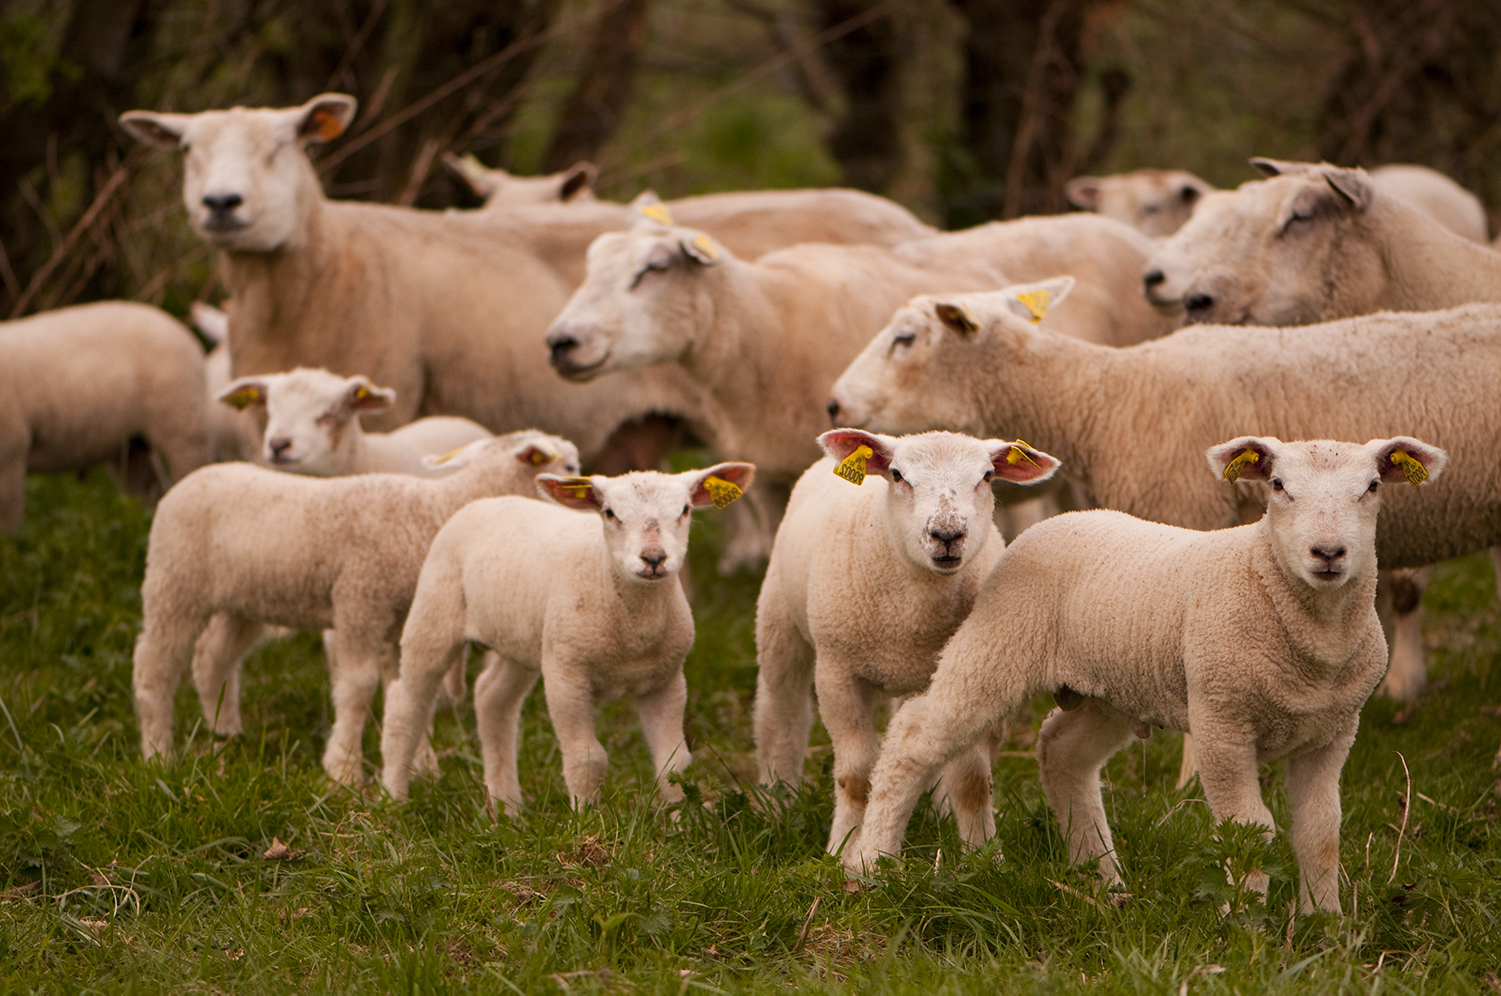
(1261, 640)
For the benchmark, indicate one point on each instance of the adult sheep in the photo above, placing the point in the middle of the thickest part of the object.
(444, 308)
(1130, 423)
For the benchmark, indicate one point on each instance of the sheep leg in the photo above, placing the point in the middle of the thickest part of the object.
(1228, 774)
(661, 714)
(1189, 766)
(967, 791)
(217, 658)
(571, 708)
(411, 699)
(499, 693)
(1313, 795)
(1406, 674)
(847, 704)
(163, 653)
(355, 677)
(784, 689)
(1072, 747)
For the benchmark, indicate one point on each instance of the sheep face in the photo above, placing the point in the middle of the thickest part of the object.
(523, 455)
(501, 189)
(1283, 251)
(309, 417)
(646, 514)
(1323, 498)
(638, 304)
(925, 368)
(1153, 201)
(247, 181)
(938, 500)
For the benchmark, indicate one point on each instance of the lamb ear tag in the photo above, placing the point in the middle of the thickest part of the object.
(852, 467)
(722, 492)
(328, 126)
(1037, 302)
(438, 461)
(361, 393)
(1016, 454)
(1242, 460)
(1411, 466)
(703, 245)
(537, 457)
(578, 487)
(244, 397)
(657, 213)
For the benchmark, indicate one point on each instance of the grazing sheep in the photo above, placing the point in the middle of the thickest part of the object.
(969, 363)
(251, 546)
(501, 189)
(78, 384)
(1263, 640)
(863, 589)
(313, 426)
(1156, 202)
(588, 603)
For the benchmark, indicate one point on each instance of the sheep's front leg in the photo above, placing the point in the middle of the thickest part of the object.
(784, 687)
(846, 704)
(499, 693)
(1072, 747)
(661, 714)
(1313, 795)
(570, 705)
(356, 676)
(217, 659)
(1228, 774)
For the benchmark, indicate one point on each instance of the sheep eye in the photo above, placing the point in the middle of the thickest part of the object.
(1373, 486)
(989, 474)
(685, 509)
(1276, 484)
(896, 475)
(609, 513)
(904, 339)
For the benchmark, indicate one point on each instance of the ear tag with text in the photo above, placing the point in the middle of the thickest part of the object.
(721, 491)
(577, 487)
(1411, 466)
(852, 467)
(1242, 460)
(1037, 302)
(1016, 454)
(657, 213)
(361, 393)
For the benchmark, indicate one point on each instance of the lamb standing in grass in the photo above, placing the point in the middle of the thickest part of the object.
(1263, 640)
(588, 603)
(863, 589)
(257, 546)
(77, 384)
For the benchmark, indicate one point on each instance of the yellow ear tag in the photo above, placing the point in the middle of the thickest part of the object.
(449, 456)
(244, 397)
(1411, 466)
(579, 487)
(852, 467)
(1037, 302)
(1242, 460)
(1017, 455)
(658, 213)
(539, 456)
(721, 491)
(361, 393)
(703, 245)
(329, 127)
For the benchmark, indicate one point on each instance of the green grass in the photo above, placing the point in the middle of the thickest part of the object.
(121, 876)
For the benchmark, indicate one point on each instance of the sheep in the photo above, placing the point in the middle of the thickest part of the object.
(77, 384)
(1263, 640)
(970, 363)
(1312, 243)
(251, 546)
(444, 308)
(1156, 202)
(313, 426)
(863, 589)
(501, 189)
(589, 603)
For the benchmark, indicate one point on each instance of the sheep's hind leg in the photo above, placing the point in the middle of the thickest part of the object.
(966, 790)
(1072, 747)
(499, 693)
(163, 653)
(217, 659)
(661, 714)
(1406, 674)
(847, 706)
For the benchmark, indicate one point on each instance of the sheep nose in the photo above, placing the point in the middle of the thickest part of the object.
(654, 560)
(222, 204)
(1152, 278)
(278, 446)
(560, 344)
(1329, 554)
(833, 409)
(1198, 302)
(946, 537)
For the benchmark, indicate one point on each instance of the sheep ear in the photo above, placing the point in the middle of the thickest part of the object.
(213, 323)
(1192, 190)
(325, 117)
(1248, 458)
(363, 396)
(570, 492)
(1351, 184)
(155, 129)
(537, 455)
(956, 317)
(479, 177)
(1034, 301)
(720, 484)
(459, 458)
(1406, 459)
(576, 179)
(1021, 464)
(701, 250)
(858, 453)
(1084, 192)
(648, 210)
(243, 393)
(1278, 167)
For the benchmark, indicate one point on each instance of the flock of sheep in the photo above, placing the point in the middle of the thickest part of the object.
(1232, 590)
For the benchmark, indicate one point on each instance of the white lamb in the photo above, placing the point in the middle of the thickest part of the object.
(313, 426)
(249, 546)
(77, 384)
(1263, 640)
(589, 603)
(864, 587)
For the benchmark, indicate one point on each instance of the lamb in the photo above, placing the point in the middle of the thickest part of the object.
(313, 426)
(863, 589)
(589, 603)
(1263, 640)
(970, 363)
(346, 556)
(461, 299)
(77, 384)
(501, 189)
(1312, 243)
(1156, 202)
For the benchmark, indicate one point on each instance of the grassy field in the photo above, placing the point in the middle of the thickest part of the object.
(119, 876)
